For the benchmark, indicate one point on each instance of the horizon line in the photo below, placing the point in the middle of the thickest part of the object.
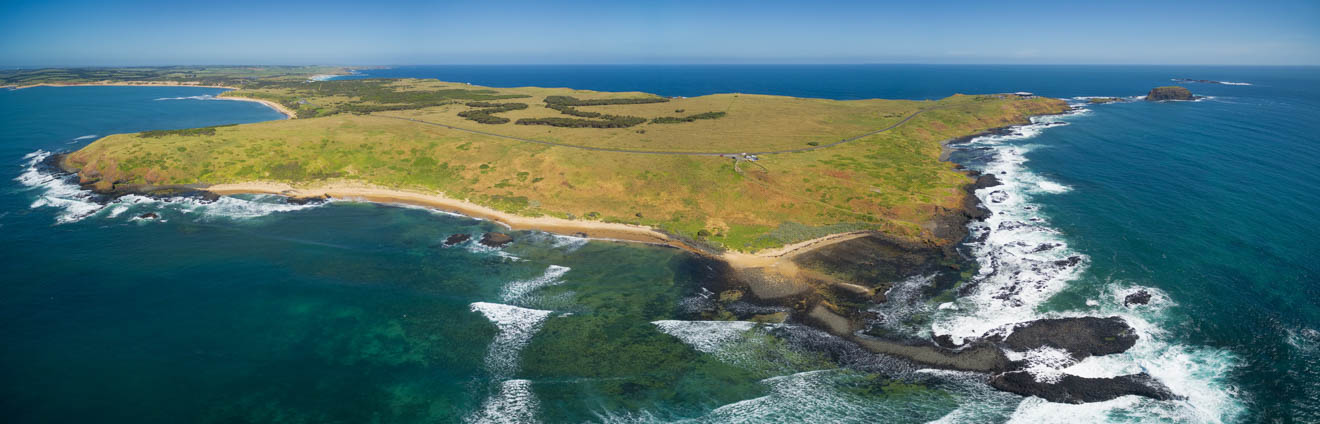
(17, 67)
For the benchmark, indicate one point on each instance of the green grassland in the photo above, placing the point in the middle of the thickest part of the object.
(891, 181)
(232, 76)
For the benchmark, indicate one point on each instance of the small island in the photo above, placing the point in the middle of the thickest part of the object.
(1172, 92)
(1103, 100)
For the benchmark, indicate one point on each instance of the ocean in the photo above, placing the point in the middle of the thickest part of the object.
(250, 309)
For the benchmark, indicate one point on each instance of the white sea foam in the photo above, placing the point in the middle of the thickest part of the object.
(1197, 373)
(803, 397)
(1024, 262)
(705, 336)
(200, 97)
(518, 291)
(515, 403)
(819, 397)
(516, 327)
(60, 191)
(903, 301)
(322, 77)
(474, 245)
(85, 137)
(560, 242)
(568, 243)
(1219, 82)
(1044, 363)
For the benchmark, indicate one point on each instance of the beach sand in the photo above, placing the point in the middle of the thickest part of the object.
(354, 191)
(777, 260)
(288, 113)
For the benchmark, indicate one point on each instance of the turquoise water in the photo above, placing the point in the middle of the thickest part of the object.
(250, 309)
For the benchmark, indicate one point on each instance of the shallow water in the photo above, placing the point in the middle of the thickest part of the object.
(250, 309)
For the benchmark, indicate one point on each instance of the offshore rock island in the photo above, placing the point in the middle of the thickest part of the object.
(810, 210)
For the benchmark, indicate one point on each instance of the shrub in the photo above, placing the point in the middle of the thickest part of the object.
(689, 118)
(186, 132)
(486, 115)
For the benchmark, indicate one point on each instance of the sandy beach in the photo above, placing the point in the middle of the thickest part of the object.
(288, 113)
(590, 229)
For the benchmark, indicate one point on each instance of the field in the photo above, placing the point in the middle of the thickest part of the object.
(408, 135)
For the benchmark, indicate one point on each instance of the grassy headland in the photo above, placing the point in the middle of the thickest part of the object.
(665, 172)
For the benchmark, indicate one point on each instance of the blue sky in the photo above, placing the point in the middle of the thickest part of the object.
(138, 32)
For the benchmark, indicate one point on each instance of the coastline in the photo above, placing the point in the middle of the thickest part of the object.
(358, 191)
(124, 84)
(288, 113)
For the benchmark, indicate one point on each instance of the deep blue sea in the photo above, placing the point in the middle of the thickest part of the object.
(250, 309)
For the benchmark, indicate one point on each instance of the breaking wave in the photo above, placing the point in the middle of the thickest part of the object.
(514, 402)
(705, 336)
(85, 137)
(200, 97)
(516, 327)
(60, 190)
(518, 291)
(1024, 262)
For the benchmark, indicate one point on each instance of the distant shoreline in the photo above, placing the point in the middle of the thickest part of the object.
(123, 84)
(288, 113)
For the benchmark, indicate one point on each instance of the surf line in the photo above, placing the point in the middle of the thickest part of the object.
(514, 402)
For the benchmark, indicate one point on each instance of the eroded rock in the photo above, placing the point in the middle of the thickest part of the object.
(496, 239)
(456, 239)
(1074, 389)
(1140, 297)
(1082, 337)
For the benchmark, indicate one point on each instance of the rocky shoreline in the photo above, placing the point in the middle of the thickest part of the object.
(846, 281)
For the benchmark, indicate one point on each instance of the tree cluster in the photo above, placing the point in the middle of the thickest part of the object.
(565, 105)
(689, 118)
(182, 132)
(486, 115)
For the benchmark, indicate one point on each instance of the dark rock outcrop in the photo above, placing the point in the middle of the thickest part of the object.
(1082, 337)
(874, 260)
(307, 200)
(1074, 389)
(1172, 92)
(456, 239)
(149, 215)
(985, 181)
(496, 239)
(1140, 297)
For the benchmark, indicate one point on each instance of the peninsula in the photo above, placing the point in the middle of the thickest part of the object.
(812, 206)
(735, 172)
